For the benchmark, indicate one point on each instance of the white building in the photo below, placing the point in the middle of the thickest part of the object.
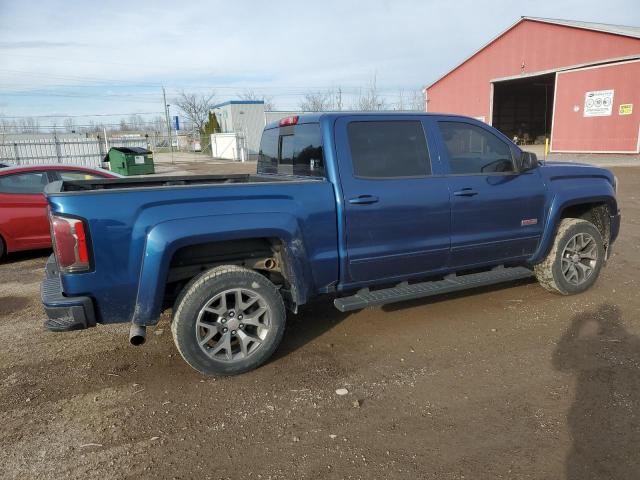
(241, 123)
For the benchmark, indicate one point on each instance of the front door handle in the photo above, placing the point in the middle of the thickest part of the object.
(465, 192)
(363, 200)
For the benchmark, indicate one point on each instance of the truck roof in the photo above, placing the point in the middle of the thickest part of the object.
(316, 117)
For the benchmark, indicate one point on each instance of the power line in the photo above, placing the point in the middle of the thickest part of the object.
(154, 98)
(85, 116)
(67, 60)
(77, 78)
(261, 88)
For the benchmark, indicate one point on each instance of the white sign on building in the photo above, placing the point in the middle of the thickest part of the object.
(598, 103)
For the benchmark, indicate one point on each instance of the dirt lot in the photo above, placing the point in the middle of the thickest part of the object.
(509, 382)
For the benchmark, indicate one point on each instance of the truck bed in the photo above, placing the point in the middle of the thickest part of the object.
(167, 181)
(130, 221)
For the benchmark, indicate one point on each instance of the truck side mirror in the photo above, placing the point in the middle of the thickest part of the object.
(528, 161)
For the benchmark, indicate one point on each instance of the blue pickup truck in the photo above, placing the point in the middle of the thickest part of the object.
(370, 208)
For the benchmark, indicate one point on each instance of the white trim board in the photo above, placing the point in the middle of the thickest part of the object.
(490, 122)
(603, 65)
(553, 113)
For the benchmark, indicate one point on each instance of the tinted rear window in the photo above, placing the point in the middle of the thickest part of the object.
(388, 149)
(292, 150)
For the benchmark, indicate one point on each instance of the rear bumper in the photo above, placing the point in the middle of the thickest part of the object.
(64, 313)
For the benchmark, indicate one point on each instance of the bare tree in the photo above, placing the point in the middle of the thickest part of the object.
(10, 126)
(317, 102)
(400, 104)
(69, 125)
(28, 125)
(195, 107)
(417, 101)
(249, 94)
(157, 124)
(136, 122)
(6, 126)
(337, 99)
(370, 100)
(412, 100)
(92, 127)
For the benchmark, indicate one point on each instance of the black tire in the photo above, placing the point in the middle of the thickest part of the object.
(550, 271)
(199, 293)
(2, 248)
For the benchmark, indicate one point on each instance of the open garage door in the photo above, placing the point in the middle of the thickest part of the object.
(522, 108)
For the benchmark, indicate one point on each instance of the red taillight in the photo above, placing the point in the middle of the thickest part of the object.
(289, 121)
(70, 244)
(83, 251)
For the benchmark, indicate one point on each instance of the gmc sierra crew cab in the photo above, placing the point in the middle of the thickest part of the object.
(370, 208)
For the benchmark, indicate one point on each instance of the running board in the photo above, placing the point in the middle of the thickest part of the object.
(451, 283)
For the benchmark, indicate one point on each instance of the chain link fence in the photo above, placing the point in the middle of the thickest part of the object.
(88, 152)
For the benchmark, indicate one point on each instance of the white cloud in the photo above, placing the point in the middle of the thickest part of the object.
(279, 47)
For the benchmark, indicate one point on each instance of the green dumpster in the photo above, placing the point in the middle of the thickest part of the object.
(130, 160)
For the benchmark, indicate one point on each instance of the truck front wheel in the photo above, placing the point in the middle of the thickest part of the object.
(575, 260)
(228, 320)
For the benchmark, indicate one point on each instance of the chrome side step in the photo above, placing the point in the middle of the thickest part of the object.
(452, 283)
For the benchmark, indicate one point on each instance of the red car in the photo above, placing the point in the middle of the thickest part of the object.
(23, 208)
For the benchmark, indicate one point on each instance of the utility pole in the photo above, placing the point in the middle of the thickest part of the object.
(339, 102)
(166, 114)
(106, 142)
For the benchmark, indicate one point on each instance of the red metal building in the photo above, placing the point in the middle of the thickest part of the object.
(576, 83)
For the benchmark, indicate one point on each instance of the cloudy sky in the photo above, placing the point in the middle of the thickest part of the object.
(81, 58)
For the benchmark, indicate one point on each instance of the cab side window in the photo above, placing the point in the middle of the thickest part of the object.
(473, 150)
(388, 149)
(24, 183)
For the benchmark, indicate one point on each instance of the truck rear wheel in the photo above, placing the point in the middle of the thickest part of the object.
(576, 257)
(228, 320)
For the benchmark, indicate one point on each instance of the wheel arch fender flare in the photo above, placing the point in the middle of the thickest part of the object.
(560, 202)
(164, 239)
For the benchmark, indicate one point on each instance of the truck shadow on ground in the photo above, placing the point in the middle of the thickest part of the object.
(392, 307)
(604, 419)
(313, 320)
(319, 316)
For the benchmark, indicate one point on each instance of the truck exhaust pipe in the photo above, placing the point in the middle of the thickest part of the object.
(137, 335)
(269, 263)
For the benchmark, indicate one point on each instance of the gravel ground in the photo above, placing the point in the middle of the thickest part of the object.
(505, 382)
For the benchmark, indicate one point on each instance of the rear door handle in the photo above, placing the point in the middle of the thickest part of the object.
(465, 192)
(363, 200)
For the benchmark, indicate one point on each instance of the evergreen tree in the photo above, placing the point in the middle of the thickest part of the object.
(211, 126)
